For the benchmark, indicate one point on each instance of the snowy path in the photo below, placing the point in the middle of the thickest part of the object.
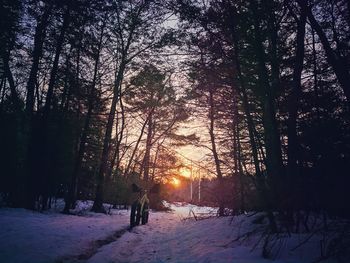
(93, 248)
(167, 238)
(27, 236)
(153, 242)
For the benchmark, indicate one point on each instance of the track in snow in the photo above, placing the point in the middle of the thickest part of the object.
(95, 246)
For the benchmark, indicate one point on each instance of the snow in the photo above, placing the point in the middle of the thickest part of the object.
(27, 236)
(170, 238)
(184, 210)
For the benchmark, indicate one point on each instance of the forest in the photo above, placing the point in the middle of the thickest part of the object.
(250, 97)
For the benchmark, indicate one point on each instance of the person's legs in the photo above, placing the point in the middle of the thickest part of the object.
(138, 214)
(145, 214)
(133, 214)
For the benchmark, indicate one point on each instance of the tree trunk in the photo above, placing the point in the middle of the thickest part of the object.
(18, 196)
(156, 159)
(315, 73)
(98, 207)
(121, 135)
(147, 157)
(211, 116)
(53, 74)
(45, 170)
(116, 147)
(338, 63)
(272, 141)
(118, 138)
(14, 96)
(249, 119)
(244, 96)
(2, 86)
(239, 184)
(72, 194)
(137, 143)
(293, 100)
(66, 87)
(39, 37)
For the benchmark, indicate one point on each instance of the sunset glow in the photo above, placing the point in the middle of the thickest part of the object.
(175, 182)
(185, 172)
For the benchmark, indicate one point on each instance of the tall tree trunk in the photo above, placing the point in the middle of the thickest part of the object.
(119, 137)
(115, 146)
(273, 47)
(53, 74)
(97, 206)
(211, 116)
(8, 74)
(249, 119)
(155, 159)
(2, 84)
(315, 73)
(32, 85)
(17, 196)
(39, 37)
(127, 169)
(242, 87)
(254, 141)
(66, 87)
(293, 100)
(238, 171)
(147, 157)
(272, 140)
(348, 14)
(212, 133)
(72, 193)
(45, 152)
(338, 63)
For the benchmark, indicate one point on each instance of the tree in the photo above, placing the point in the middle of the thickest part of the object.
(135, 28)
(150, 92)
(336, 58)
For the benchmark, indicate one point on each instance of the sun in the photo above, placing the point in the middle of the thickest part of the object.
(175, 182)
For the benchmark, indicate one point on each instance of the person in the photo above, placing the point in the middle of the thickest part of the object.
(139, 209)
(144, 208)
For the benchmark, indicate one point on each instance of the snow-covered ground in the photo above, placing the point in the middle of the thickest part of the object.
(170, 238)
(27, 236)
